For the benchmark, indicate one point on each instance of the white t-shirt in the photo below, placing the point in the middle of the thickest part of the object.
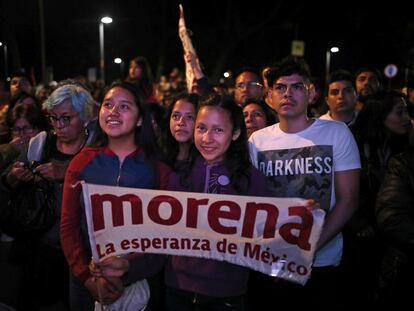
(327, 116)
(303, 164)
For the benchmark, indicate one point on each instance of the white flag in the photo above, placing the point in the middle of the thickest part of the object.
(188, 48)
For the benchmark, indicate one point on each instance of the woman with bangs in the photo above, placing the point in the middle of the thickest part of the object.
(124, 155)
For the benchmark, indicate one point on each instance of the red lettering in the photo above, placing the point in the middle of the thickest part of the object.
(272, 213)
(109, 249)
(221, 246)
(125, 244)
(291, 266)
(304, 228)
(192, 211)
(135, 243)
(195, 246)
(154, 210)
(117, 204)
(98, 250)
(223, 217)
(156, 243)
(301, 270)
(265, 256)
(251, 250)
(232, 248)
(145, 243)
(215, 213)
(185, 243)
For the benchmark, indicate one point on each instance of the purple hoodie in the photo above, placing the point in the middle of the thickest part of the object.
(206, 276)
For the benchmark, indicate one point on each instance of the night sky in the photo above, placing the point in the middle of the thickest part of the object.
(226, 34)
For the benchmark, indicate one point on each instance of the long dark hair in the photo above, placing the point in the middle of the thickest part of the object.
(269, 113)
(144, 134)
(169, 145)
(16, 100)
(369, 129)
(236, 158)
(32, 114)
(145, 81)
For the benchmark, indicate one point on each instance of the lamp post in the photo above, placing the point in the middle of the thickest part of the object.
(119, 61)
(6, 62)
(104, 20)
(333, 49)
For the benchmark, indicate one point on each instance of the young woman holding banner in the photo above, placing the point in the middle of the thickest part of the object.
(222, 167)
(124, 155)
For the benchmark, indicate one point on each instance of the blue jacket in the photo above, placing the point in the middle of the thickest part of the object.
(99, 166)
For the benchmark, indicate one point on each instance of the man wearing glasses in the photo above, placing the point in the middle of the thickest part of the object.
(311, 159)
(247, 86)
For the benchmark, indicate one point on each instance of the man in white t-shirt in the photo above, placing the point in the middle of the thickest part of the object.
(311, 159)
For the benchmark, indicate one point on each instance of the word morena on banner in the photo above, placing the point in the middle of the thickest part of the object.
(217, 213)
(265, 234)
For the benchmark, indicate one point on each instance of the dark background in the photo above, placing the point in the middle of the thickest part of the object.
(227, 35)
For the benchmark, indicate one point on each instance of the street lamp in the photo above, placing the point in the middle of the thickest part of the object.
(119, 61)
(333, 49)
(104, 20)
(6, 69)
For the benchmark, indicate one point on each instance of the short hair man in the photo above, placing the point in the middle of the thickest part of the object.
(368, 83)
(248, 86)
(20, 82)
(341, 97)
(313, 159)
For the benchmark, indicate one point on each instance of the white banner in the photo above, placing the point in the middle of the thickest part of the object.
(276, 236)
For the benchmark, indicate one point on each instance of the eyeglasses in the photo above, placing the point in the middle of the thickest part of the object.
(243, 85)
(25, 130)
(63, 120)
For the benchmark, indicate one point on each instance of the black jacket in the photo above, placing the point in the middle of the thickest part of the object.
(395, 216)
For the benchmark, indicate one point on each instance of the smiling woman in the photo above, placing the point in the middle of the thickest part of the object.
(124, 155)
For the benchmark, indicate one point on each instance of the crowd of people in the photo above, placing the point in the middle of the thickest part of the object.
(356, 137)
